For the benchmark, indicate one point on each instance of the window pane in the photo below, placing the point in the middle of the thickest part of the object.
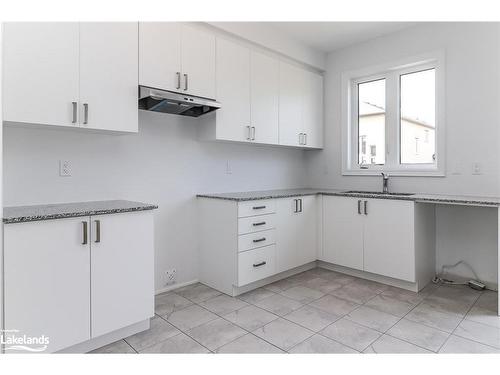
(371, 122)
(418, 117)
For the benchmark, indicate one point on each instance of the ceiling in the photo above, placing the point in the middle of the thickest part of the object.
(329, 36)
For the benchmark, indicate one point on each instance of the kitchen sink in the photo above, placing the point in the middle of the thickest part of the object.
(377, 193)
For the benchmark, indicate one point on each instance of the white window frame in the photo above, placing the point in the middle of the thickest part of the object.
(349, 117)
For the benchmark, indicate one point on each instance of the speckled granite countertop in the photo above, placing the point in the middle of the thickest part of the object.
(417, 197)
(19, 214)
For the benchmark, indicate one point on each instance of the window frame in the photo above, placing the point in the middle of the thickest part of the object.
(391, 72)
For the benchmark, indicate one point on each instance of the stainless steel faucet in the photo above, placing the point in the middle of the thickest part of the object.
(385, 183)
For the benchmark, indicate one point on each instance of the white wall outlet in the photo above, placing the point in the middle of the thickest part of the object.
(476, 168)
(228, 168)
(170, 276)
(64, 168)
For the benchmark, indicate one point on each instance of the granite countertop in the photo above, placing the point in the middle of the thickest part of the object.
(417, 197)
(19, 214)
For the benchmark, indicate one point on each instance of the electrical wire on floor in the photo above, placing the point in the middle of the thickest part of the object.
(473, 283)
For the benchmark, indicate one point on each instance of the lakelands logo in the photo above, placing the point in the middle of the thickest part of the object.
(13, 341)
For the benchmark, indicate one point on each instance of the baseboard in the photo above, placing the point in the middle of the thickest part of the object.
(175, 286)
(108, 338)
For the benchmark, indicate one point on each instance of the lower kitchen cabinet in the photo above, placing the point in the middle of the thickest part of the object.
(296, 230)
(76, 279)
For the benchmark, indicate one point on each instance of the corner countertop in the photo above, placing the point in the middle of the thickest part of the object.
(417, 197)
(20, 214)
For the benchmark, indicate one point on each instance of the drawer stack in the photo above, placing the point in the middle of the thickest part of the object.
(256, 240)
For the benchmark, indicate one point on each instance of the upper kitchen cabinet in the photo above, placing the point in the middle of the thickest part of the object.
(40, 60)
(300, 107)
(177, 57)
(66, 67)
(108, 101)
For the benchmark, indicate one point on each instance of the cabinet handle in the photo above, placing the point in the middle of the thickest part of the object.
(259, 264)
(300, 202)
(300, 138)
(178, 80)
(259, 224)
(258, 207)
(253, 133)
(259, 239)
(248, 133)
(366, 207)
(85, 113)
(305, 138)
(74, 104)
(85, 233)
(359, 207)
(185, 82)
(97, 231)
(296, 209)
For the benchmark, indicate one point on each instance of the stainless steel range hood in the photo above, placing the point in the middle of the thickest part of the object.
(151, 99)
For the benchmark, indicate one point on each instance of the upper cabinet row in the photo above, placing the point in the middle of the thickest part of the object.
(86, 75)
(71, 74)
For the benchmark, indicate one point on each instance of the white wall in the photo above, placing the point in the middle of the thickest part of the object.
(472, 119)
(163, 164)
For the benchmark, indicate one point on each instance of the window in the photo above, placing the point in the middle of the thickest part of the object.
(393, 120)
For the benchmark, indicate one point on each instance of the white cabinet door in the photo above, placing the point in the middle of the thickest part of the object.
(198, 62)
(290, 104)
(286, 230)
(47, 281)
(313, 110)
(307, 230)
(108, 76)
(264, 73)
(233, 91)
(122, 266)
(389, 239)
(342, 232)
(160, 55)
(41, 72)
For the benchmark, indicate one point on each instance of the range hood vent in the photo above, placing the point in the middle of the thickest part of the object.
(151, 99)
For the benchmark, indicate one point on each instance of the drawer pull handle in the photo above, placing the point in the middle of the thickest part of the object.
(259, 207)
(259, 264)
(260, 239)
(257, 224)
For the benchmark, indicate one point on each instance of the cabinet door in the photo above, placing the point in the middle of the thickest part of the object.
(307, 230)
(122, 270)
(108, 76)
(264, 73)
(198, 62)
(286, 234)
(313, 110)
(41, 72)
(233, 91)
(160, 55)
(290, 104)
(389, 239)
(342, 232)
(47, 281)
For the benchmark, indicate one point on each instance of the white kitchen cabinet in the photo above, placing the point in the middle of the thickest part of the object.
(108, 100)
(67, 67)
(160, 55)
(264, 101)
(78, 279)
(41, 67)
(296, 242)
(389, 238)
(313, 111)
(290, 105)
(122, 265)
(47, 281)
(177, 57)
(342, 232)
(233, 91)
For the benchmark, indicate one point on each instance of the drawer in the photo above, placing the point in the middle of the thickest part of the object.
(256, 223)
(259, 207)
(257, 239)
(256, 264)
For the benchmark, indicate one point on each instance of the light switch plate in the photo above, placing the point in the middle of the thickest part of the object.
(64, 168)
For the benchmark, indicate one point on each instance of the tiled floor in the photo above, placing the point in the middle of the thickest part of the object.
(320, 311)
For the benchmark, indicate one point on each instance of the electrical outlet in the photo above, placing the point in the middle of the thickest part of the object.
(476, 168)
(64, 168)
(170, 276)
